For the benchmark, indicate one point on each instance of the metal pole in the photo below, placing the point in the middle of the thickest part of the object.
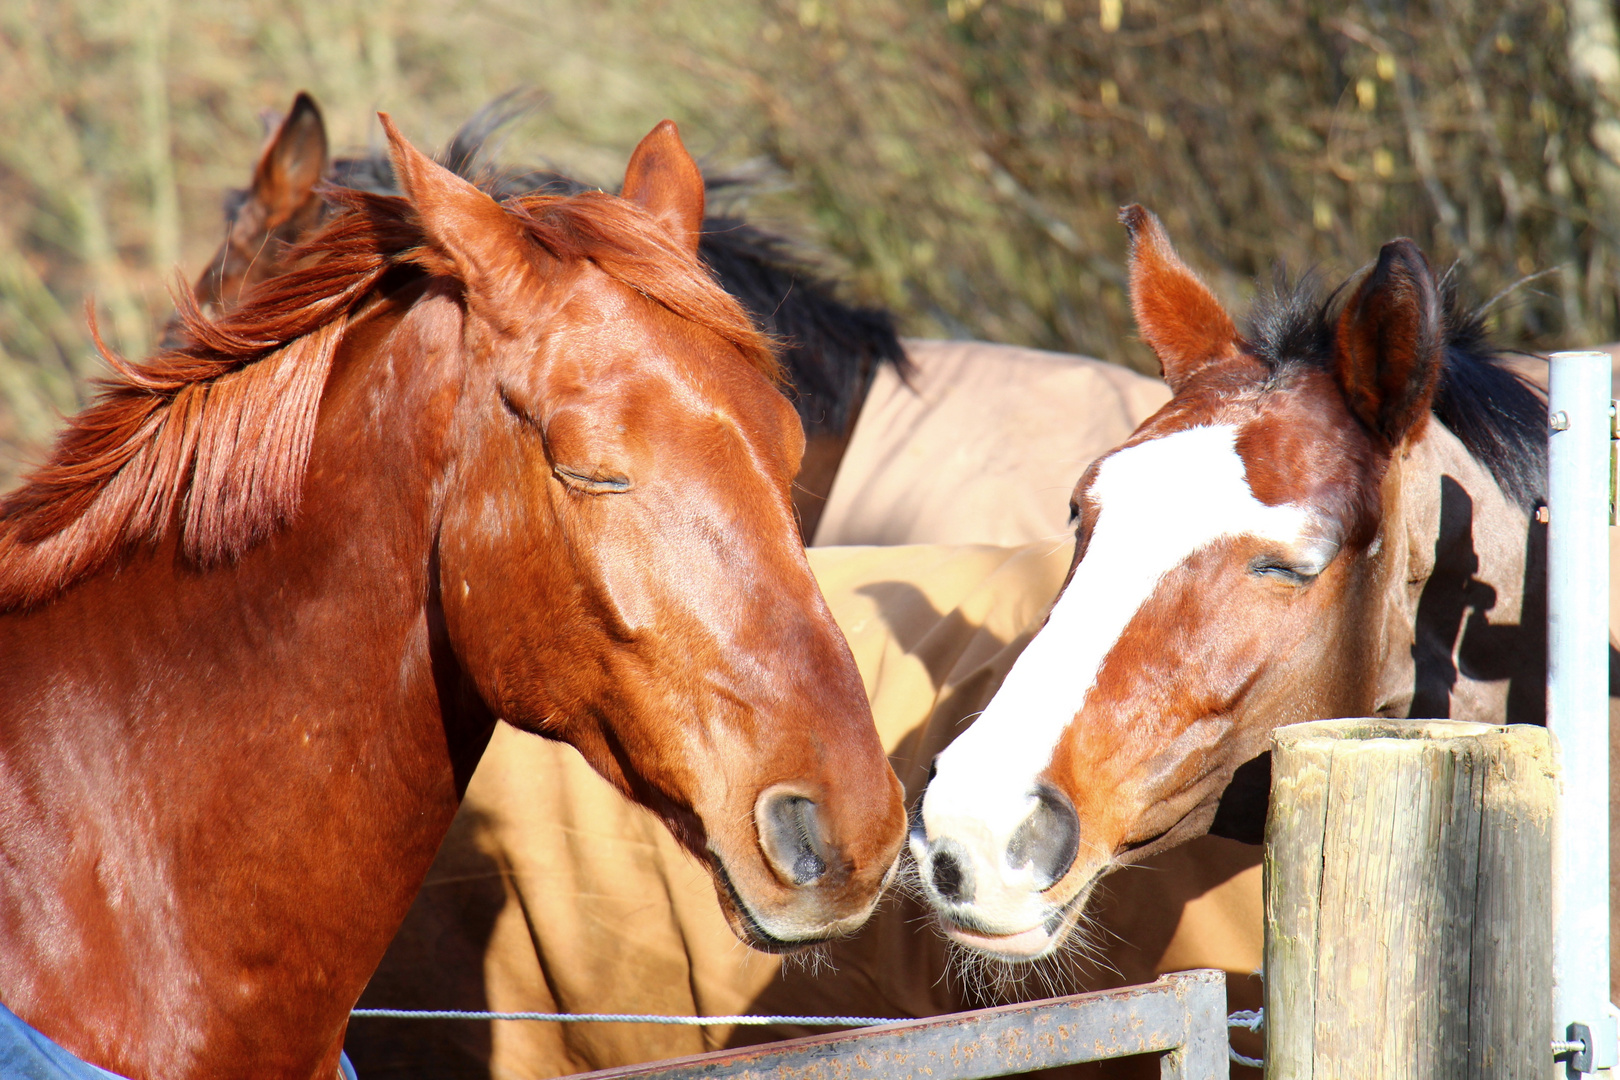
(1577, 698)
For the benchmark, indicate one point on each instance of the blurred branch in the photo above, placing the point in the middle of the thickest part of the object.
(151, 66)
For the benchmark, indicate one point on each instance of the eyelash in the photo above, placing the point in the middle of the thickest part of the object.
(1281, 571)
(590, 485)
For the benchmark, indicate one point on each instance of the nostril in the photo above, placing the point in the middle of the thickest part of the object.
(947, 876)
(1049, 839)
(790, 835)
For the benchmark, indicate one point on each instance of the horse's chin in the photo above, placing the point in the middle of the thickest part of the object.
(768, 935)
(1025, 946)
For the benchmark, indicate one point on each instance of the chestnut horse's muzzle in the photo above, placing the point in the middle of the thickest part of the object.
(810, 886)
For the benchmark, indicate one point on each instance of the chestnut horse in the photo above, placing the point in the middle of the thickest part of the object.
(1332, 516)
(831, 350)
(263, 604)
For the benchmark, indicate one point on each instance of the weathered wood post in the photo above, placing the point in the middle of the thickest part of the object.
(1409, 901)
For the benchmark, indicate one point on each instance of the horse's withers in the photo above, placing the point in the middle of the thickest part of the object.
(1248, 559)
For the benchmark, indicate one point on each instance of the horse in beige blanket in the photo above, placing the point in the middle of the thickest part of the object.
(554, 894)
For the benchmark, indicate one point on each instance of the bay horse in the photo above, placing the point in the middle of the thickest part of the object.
(1332, 516)
(262, 605)
(832, 350)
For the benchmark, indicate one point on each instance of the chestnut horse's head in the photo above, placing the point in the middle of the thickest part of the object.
(1238, 565)
(617, 557)
(832, 349)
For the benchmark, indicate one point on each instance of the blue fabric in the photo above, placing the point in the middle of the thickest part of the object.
(25, 1054)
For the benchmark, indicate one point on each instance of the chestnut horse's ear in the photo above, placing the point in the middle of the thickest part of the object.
(293, 162)
(1389, 345)
(1179, 318)
(664, 180)
(483, 243)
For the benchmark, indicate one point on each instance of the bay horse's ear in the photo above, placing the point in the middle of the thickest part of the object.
(664, 180)
(1389, 345)
(293, 162)
(1177, 315)
(483, 243)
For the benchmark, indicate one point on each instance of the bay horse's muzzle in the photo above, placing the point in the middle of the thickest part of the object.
(987, 884)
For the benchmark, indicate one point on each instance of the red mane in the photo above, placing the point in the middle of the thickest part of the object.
(212, 438)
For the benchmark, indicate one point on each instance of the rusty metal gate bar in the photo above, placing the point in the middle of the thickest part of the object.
(1181, 1017)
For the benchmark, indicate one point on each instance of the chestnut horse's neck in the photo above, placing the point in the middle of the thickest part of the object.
(1464, 589)
(238, 777)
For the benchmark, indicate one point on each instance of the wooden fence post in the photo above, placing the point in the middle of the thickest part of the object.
(1409, 901)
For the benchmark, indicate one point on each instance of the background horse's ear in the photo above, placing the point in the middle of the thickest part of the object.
(1179, 318)
(666, 182)
(482, 242)
(293, 162)
(1389, 344)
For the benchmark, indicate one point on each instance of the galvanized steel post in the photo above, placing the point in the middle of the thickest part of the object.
(1578, 487)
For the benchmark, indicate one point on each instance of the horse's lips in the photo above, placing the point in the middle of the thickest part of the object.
(1028, 944)
(750, 928)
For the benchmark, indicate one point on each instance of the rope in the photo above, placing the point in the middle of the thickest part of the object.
(1253, 1020)
(627, 1018)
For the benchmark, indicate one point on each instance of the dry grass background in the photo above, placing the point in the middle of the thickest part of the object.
(959, 161)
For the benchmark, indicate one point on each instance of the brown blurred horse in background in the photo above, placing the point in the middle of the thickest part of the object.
(264, 601)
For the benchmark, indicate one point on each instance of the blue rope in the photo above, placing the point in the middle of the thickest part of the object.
(626, 1018)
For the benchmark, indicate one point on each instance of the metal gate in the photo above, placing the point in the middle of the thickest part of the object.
(1181, 1017)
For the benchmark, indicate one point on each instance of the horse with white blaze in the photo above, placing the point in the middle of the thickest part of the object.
(1331, 517)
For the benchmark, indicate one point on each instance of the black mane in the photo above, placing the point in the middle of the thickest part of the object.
(831, 349)
(1496, 414)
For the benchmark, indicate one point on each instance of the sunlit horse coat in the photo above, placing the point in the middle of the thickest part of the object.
(593, 908)
(580, 903)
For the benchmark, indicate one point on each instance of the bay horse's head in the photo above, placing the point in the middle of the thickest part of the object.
(1237, 566)
(618, 561)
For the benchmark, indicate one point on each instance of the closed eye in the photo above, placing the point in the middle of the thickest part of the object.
(1282, 570)
(591, 483)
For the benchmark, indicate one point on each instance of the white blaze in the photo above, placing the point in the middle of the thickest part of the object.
(1158, 503)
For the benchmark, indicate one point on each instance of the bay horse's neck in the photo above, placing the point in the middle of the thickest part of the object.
(1464, 592)
(225, 786)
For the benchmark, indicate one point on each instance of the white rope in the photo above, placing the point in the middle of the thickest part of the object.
(1252, 1020)
(626, 1018)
